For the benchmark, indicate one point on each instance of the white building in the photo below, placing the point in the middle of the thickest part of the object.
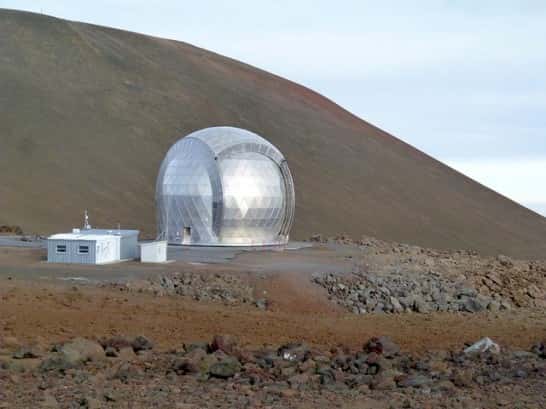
(93, 246)
(153, 252)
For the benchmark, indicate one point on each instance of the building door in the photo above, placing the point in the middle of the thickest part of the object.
(186, 235)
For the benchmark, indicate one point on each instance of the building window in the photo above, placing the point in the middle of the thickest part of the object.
(61, 248)
(83, 250)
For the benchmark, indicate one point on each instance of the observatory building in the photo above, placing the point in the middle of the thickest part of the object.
(224, 186)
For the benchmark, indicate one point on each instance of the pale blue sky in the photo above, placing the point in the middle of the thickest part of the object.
(464, 81)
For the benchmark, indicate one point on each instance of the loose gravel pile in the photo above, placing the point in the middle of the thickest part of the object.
(215, 287)
(397, 278)
(399, 293)
(224, 288)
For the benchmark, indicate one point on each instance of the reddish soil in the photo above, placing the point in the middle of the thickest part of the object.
(30, 310)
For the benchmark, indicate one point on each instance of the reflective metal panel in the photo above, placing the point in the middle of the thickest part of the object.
(224, 186)
(253, 199)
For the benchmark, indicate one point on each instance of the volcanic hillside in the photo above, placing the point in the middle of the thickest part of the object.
(87, 114)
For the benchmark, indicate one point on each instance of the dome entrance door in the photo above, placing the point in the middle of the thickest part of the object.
(186, 235)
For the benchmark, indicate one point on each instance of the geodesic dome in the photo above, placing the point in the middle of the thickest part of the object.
(224, 186)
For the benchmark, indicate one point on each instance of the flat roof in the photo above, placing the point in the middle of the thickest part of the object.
(93, 234)
(114, 232)
(82, 237)
(152, 243)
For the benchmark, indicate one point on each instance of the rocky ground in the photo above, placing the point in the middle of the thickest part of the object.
(301, 337)
(225, 288)
(398, 278)
(417, 292)
(130, 372)
(386, 278)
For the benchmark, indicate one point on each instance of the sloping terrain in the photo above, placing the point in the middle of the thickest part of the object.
(87, 114)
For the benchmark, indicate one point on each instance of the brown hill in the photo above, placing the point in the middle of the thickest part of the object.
(87, 114)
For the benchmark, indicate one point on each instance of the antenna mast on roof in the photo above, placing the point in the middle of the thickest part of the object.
(86, 225)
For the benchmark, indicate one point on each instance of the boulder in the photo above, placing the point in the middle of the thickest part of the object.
(505, 261)
(373, 345)
(117, 342)
(81, 350)
(381, 346)
(421, 306)
(225, 343)
(357, 381)
(294, 352)
(206, 362)
(184, 366)
(384, 381)
(473, 304)
(299, 381)
(326, 375)
(126, 372)
(390, 349)
(539, 349)
(72, 354)
(225, 369)
(195, 355)
(57, 362)
(141, 343)
(255, 374)
(483, 345)
(262, 304)
(396, 306)
(191, 362)
(308, 366)
(494, 306)
(462, 378)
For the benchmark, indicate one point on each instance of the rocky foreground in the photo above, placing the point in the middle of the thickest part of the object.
(121, 372)
(59, 348)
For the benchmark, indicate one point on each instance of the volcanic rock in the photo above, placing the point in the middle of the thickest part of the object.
(226, 368)
(294, 352)
(141, 343)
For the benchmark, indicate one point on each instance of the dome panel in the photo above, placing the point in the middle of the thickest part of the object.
(253, 189)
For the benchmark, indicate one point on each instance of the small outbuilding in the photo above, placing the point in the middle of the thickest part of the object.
(153, 252)
(93, 246)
